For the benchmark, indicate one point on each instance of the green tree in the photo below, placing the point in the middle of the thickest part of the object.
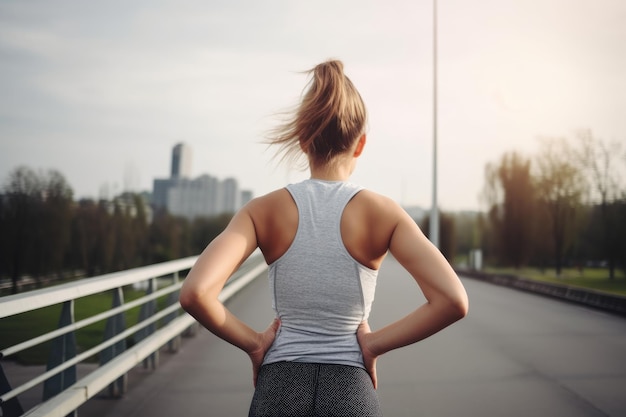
(140, 230)
(105, 248)
(205, 229)
(124, 246)
(85, 236)
(56, 221)
(469, 234)
(21, 194)
(169, 237)
(36, 216)
(510, 196)
(620, 208)
(561, 188)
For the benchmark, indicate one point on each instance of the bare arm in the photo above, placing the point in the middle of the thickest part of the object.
(198, 295)
(446, 298)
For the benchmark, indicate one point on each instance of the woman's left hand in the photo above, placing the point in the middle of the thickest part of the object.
(369, 358)
(265, 342)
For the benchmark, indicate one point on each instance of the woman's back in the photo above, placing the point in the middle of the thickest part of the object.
(320, 293)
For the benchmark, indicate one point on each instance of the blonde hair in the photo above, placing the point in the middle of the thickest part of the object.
(330, 117)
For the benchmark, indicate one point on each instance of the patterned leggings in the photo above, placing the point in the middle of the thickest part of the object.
(310, 389)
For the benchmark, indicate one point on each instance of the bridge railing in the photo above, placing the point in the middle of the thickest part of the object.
(161, 322)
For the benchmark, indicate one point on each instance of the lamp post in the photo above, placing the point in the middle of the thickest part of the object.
(434, 212)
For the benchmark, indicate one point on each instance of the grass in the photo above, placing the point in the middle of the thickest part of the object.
(25, 326)
(589, 278)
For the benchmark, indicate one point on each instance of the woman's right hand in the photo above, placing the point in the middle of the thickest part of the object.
(369, 358)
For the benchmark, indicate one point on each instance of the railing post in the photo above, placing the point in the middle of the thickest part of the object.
(11, 408)
(63, 348)
(174, 344)
(115, 325)
(147, 310)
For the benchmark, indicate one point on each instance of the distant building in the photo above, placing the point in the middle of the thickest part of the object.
(181, 161)
(231, 196)
(205, 196)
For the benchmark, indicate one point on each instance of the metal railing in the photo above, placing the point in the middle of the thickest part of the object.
(160, 322)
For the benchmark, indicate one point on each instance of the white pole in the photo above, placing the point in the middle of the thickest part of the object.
(434, 213)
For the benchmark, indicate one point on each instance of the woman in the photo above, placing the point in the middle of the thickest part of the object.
(324, 240)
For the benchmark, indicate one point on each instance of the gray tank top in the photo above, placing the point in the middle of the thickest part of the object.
(319, 291)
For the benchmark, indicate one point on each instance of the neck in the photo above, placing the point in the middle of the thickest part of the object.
(334, 171)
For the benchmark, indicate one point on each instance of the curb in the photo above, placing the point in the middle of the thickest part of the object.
(612, 303)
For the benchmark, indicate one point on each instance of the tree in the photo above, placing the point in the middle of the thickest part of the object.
(85, 236)
(56, 221)
(561, 188)
(598, 159)
(620, 207)
(204, 230)
(19, 204)
(169, 237)
(105, 248)
(468, 233)
(510, 195)
(36, 216)
(140, 230)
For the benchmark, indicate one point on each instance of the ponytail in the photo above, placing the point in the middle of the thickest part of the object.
(330, 117)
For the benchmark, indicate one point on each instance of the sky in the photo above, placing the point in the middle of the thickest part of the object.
(102, 91)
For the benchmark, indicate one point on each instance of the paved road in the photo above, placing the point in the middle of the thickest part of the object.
(516, 354)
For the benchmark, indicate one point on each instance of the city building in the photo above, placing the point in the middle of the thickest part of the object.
(204, 196)
(181, 161)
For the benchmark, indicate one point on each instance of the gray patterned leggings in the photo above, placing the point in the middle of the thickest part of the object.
(310, 389)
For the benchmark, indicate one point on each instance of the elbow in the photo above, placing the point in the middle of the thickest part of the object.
(185, 300)
(459, 306)
(188, 298)
(453, 307)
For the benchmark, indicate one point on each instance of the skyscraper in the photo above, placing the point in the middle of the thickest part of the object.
(204, 196)
(181, 161)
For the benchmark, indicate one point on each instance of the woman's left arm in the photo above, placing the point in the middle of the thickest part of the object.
(205, 281)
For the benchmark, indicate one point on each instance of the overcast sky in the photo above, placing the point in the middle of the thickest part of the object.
(102, 91)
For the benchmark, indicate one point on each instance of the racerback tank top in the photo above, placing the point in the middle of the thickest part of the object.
(319, 291)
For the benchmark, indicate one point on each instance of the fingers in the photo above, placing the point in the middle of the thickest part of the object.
(374, 377)
(364, 327)
(369, 360)
(267, 338)
(275, 325)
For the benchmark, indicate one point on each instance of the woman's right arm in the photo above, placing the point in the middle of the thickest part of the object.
(446, 299)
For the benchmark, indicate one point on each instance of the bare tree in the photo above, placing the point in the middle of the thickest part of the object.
(561, 187)
(599, 159)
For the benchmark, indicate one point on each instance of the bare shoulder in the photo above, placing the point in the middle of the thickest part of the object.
(275, 218)
(269, 202)
(367, 226)
(378, 206)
